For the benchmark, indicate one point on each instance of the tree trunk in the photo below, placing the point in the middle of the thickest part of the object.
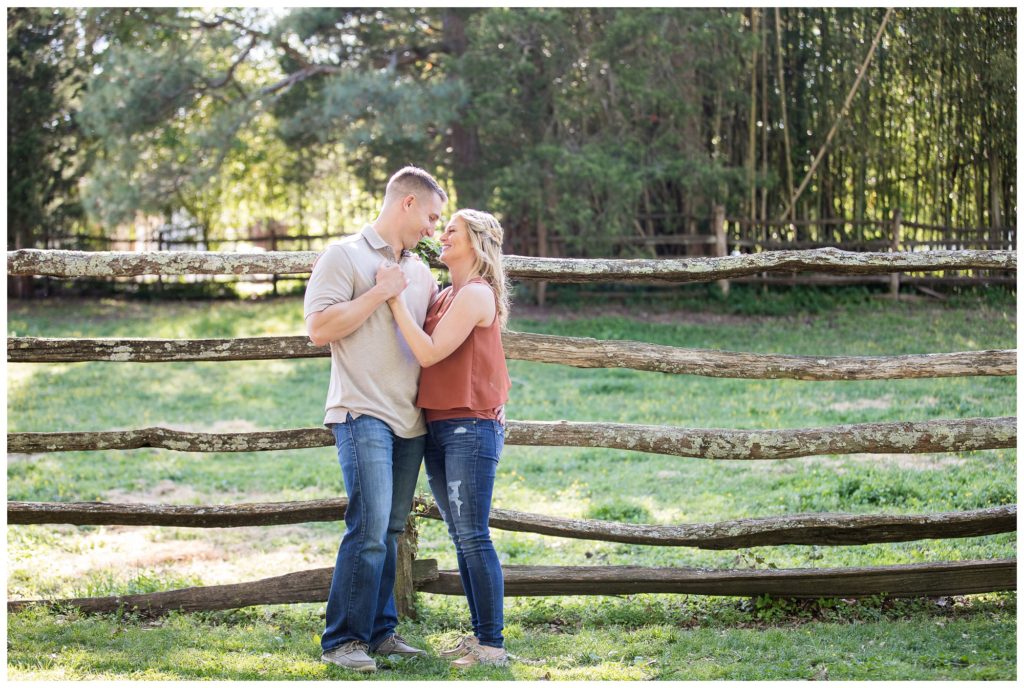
(995, 185)
(752, 121)
(464, 139)
(785, 119)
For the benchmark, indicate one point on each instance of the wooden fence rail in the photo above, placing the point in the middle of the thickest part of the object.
(796, 529)
(906, 580)
(902, 580)
(580, 352)
(127, 264)
(966, 434)
(830, 529)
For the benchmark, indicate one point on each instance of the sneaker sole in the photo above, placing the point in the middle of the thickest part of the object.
(461, 667)
(366, 669)
(500, 663)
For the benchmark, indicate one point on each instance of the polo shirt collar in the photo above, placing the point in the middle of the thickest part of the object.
(373, 239)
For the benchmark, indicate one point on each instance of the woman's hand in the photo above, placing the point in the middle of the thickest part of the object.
(391, 279)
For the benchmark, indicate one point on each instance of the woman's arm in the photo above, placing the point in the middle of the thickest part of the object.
(473, 305)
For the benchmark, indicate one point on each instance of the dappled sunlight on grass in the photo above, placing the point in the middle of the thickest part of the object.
(560, 638)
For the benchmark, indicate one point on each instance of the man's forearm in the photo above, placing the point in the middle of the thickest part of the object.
(342, 319)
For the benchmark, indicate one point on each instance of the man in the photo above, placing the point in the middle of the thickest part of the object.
(378, 431)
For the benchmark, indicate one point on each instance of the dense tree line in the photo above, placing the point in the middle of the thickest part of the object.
(582, 124)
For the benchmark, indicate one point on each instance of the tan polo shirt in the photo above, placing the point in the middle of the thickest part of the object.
(373, 371)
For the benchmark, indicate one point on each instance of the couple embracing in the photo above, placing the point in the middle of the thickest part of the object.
(417, 374)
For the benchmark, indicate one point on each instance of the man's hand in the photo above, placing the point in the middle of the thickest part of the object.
(501, 415)
(391, 279)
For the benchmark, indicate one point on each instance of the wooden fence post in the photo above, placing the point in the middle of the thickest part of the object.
(894, 278)
(405, 600)
(160, 247)
(721, 248)
(273, 247)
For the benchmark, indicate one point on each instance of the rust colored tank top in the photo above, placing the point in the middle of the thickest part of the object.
(473, 381)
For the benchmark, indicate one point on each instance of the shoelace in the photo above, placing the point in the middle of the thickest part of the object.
(353, 645)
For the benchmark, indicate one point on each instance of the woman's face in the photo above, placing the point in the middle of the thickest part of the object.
(455, 242)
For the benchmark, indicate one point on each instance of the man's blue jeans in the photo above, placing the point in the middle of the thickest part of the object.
(461, 460)
(380, 471)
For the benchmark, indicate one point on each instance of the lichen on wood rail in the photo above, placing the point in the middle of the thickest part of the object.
(59, 263)
(581, 352)
(965, 434)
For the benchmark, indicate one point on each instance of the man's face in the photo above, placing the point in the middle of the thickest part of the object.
(423, 213)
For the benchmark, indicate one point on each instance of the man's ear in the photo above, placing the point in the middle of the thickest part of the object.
(408, 201)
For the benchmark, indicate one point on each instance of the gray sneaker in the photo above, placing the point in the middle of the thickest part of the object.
(396, 645)
(351, 655)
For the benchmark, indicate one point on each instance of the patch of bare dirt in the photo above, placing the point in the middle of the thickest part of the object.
(163, 492)
(216, 555)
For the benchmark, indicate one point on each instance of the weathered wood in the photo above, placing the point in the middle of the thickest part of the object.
(713, 443)
(178, 440)
(126, 264)
(405, 576)
(815, 279)
(906, 580)
(580, 352)
(708, 269)
(910, 438)
(897, 236)
(131, 263)
(796, 529)
(721, 247)
(291, 588)
(177, 515)
(594, 353)
(50, 350)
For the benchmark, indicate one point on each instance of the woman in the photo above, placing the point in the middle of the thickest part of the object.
(463, 386)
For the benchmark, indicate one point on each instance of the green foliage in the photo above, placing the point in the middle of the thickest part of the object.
(428, 249)
(589, 125)
(46, 152)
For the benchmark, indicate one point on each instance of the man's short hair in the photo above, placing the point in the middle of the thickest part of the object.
(413, 180)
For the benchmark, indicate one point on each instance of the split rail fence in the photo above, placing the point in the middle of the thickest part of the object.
(667, 235)
(932, 578)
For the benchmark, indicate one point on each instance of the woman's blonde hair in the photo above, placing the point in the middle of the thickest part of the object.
(486, 236)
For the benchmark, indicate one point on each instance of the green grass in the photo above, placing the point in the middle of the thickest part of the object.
(674, 637)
